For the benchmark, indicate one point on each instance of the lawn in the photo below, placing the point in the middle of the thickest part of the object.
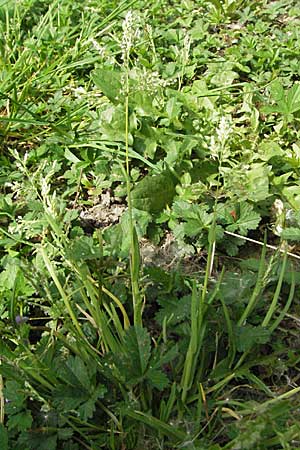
(149, 225)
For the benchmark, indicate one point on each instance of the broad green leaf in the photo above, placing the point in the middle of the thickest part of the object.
(71, 157)
(293, 98)
(154, 192)
(224, 78)
(137, 344)
(287, 101)
(247, 336)
(236, 287)
(3, 437)
(109, 81)
(276, 90)
(9, 276)
(187, 211)
(292, 194)
(269, 149)
(257, 184)
(173, 108)
(65, 433)
(82, 249)
(79, 371)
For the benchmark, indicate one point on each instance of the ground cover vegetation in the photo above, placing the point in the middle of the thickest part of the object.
(147, 149)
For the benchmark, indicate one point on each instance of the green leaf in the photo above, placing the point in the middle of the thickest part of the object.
(15, 397)
(175, 310)
(293, 98)
(292, 194)
(44, 441)
(236, 287)
(268, 149)
(21, 421)
(257, 183)
(248, 220)
(162, 427)
(87, 409)
(276, 90)
(154, 192)
(247, 336)
(82, 249)
(157, 379)
(3, 437)
(137, 343)
(291, 233)
(133, 359)
(173, 108)
(67, 398)
(65, 433)
(71, 157)
(109, 81)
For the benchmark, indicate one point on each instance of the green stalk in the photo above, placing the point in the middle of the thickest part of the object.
(257, 289)
(231, 340)
(287, 306)
(134, 245)
(60, 289)
(162, 427)
(273, 305)
(187, 375)
(2, 400)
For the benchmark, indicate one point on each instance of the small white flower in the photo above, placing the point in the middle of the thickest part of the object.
(224, 130)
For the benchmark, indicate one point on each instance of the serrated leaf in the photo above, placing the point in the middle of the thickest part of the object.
(157, 379)
(87, 409)
(68, 398)
(276, 90)
(247, 336)
(132, 361)
(175, 310)
(35, 441)
(21, 421)
(154, 192)
(248, 220)
(79, 371)
(76, 373)
(15, 397)
(192, 227)
(65, 433)
(291, 233)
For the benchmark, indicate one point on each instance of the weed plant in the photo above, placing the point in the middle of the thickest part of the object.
(169, 320)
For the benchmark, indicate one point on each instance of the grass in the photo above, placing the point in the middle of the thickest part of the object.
(149, 225)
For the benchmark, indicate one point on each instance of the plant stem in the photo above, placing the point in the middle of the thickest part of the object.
(134, 246)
